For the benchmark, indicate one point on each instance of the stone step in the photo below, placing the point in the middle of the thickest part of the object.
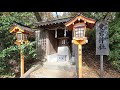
(45, 73)
(55, 70)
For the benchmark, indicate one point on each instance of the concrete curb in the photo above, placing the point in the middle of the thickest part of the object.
(27, 74)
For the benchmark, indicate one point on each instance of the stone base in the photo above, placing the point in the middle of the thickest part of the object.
(52, 58)
(63, 55)
(64, 52)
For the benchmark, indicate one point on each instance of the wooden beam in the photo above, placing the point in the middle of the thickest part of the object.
(47, 43)
(101, 66)
(14, 28)
(22, 61)
(56, 33)
(80, 61)
(87, 20)
(54, 28)
(64, 32)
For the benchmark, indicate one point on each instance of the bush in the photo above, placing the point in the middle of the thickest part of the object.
(90, 34)
(114, 35)
(10, 59)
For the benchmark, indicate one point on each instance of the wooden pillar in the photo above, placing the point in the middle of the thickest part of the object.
(56, 33)
(75, 55)
(73, 46)
(101, 66)
(47, 43)
(80, 60)
(22, 61)
(64, 32)
(37, 37)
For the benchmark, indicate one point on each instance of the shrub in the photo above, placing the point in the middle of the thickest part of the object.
(114, 34)
(10, 58)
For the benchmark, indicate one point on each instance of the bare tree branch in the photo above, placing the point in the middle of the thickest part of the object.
(104, 18)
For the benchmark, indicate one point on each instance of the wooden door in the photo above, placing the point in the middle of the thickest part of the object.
(52, 43)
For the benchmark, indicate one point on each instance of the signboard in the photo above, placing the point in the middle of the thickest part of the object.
(102, 38)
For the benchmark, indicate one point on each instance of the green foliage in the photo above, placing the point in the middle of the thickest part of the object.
(30, 51)
(12, 53)
(9, 52)
(91, 34)
(6, 55)
(7, 19)
(114, 34)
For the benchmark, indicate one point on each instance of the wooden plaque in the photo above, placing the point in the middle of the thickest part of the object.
(102, 38)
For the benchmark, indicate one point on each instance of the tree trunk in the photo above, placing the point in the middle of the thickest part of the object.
(38, 17)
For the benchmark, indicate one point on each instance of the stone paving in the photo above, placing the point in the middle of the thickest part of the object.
(55, 70)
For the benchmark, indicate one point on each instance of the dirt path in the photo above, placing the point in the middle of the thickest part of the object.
(91, 66)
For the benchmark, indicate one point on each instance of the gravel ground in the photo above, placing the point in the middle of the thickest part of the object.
(91, 66)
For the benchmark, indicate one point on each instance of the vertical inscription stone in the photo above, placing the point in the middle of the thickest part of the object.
(102, 38)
